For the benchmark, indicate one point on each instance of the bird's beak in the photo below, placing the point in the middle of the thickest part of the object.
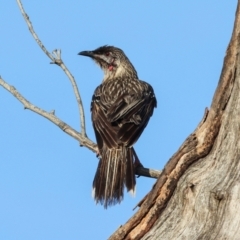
(86, 53)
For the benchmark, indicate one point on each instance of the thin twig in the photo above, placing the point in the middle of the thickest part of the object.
(56, 59)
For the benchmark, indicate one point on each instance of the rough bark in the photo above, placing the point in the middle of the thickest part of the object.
(197, 195)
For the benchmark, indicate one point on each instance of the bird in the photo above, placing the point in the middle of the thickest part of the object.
(120, 110)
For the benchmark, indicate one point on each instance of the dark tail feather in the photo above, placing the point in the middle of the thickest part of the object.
(115, 169)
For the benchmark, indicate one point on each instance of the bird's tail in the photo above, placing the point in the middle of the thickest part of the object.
(115, 169)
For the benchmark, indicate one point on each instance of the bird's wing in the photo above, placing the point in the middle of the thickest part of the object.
(104, 131)
(138, 118)
(124, 106)
(132, 112)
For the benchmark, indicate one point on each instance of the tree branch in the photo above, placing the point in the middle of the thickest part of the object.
(56, 59)
(84, 141)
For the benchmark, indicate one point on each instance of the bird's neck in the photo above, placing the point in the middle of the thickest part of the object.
(120, 72)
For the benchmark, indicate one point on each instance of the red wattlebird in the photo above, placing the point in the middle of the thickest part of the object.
(121, 108)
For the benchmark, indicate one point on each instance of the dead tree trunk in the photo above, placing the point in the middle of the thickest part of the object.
(197, 196)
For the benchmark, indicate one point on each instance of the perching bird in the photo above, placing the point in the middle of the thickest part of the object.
(121, 108)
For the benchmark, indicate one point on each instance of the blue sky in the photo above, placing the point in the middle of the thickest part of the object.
(45, 177)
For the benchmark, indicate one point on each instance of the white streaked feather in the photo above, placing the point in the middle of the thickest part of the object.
(114, 171)
(107, 184)
(133, 192)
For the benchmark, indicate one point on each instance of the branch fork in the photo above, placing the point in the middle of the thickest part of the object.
(56, 54)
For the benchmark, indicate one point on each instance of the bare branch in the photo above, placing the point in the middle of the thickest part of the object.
(84, 141)
(56, 59)
(146, 172)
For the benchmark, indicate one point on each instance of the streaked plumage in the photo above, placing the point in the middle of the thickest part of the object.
(121, 108)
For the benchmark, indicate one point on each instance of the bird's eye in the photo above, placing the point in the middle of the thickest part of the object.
(107, 54)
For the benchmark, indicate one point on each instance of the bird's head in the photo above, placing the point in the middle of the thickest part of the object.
(113, 62)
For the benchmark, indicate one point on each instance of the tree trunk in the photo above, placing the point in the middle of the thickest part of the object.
(197, 196)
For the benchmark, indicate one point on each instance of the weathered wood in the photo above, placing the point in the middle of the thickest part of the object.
(197, 195)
